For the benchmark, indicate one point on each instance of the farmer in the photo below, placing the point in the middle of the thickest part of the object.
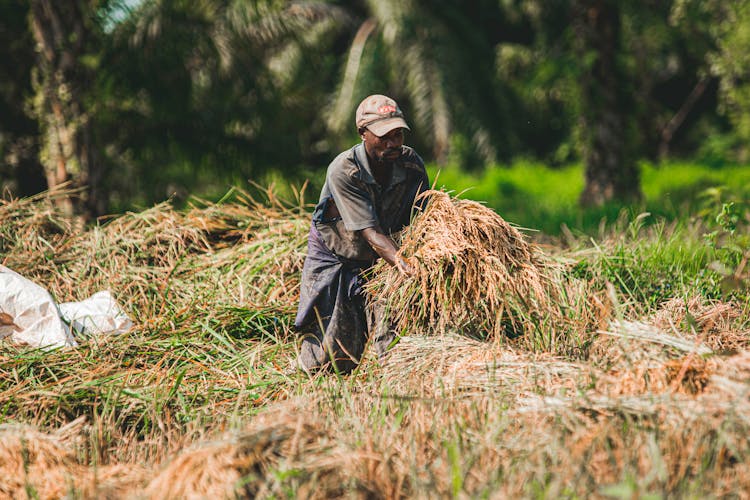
(369, 194)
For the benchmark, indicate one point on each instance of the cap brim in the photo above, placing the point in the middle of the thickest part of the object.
(382, 127)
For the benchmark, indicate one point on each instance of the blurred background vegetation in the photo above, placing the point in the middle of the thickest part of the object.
(554, 112)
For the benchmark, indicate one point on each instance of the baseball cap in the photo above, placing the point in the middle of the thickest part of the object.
(380, 114)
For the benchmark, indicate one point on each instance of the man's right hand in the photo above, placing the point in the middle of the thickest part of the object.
(405, 266)
(386, 248)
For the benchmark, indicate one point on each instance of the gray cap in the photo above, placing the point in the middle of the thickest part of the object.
(380, 114)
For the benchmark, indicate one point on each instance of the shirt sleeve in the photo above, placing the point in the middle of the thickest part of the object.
(424, 185)
(353, 202)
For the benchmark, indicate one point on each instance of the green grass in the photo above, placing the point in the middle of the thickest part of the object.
(537, 197)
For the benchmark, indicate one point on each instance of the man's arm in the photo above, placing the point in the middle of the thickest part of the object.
(385, 247)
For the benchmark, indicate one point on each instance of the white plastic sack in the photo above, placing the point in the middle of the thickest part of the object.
(33, 314)
(99, 314)
(28, 315)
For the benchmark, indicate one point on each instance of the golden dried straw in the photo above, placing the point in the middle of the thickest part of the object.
(476, 274)
(241, 463)
(719, 324)
(34, 464)
(32, 461)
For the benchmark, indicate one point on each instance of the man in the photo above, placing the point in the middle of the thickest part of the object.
(368, 195)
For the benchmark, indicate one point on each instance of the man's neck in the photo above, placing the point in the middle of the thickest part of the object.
(381, 170)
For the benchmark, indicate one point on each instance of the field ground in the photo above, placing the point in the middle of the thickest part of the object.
(638, 389)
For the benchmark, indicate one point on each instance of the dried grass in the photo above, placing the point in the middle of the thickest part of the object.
(34, 464)
(719, 324)
(658, 458)
(456, 366)
(252, 462)
(574, 405)
(689, 375)
(247, 248)
(198, 283)
(477, 274)
(113, 481)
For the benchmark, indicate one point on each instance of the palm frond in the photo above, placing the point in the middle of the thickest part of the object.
(344, 101)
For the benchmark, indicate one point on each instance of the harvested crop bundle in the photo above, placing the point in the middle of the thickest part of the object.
(476, 274)
(32, 461)
(252, 463)
(720, 324)
(455, 364)
(34, 464)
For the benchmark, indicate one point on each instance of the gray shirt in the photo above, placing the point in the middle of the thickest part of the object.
(352, 200)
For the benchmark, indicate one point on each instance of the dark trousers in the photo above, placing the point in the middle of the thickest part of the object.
(334, 318)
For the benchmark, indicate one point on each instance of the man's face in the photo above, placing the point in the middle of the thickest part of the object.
(385, 148)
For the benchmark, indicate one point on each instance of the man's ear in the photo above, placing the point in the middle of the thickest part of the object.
(361, 131)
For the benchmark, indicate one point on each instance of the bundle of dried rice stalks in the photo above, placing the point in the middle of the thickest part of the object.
(112, 481)
(35, 464)
(211, 471)
(476, 273)
(640, 358)
(454, 365)
(609, 448)
(688, 375)
(244, 463)
(33, 227)
(638, 340)
(254, 247)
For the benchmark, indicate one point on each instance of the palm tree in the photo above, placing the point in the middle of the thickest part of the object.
(610, 169)
(63, 32)
(20, 169)
(437, 56)
(235, 86)
(574, 62)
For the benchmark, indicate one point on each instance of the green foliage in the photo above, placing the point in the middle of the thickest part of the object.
(650, 266)
(728, 234)
(537, 197)
(213, 94)
(730, 63)
(191, 97)
(421, 52)
(20, 170)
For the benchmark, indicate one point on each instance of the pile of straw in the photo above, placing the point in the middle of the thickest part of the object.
(477, 274)
(211, 290)
(717, 323)
(457, 365)
(252, 462)
(34, 464)
(258, 245)
(646, 401)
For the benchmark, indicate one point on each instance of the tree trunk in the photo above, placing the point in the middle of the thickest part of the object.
(611, 174)
(61, 33)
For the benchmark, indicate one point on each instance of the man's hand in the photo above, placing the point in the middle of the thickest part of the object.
(384, 246)
(404, 266)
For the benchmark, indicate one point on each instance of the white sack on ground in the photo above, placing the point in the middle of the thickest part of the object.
(99, 314)
(36, 320)
(35, 317)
